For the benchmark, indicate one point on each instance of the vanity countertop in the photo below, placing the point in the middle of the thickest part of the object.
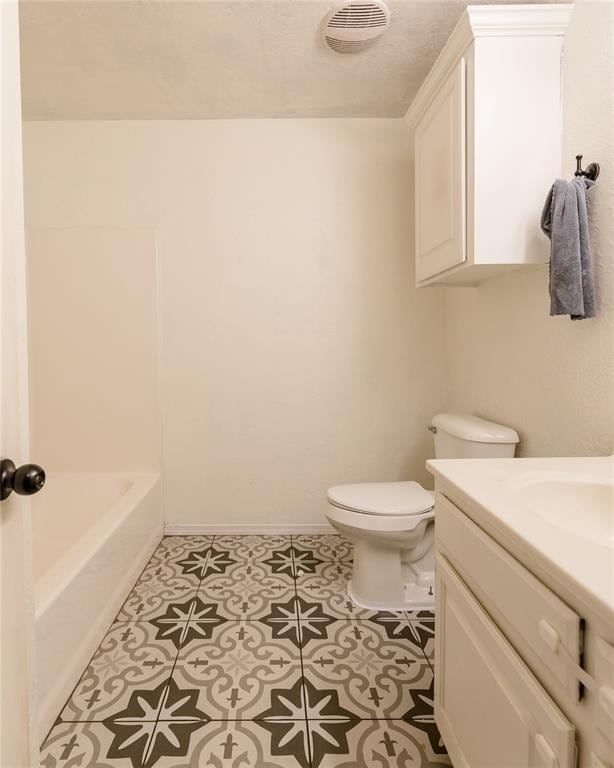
(555, 515)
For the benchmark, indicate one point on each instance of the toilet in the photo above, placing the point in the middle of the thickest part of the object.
(391, 524)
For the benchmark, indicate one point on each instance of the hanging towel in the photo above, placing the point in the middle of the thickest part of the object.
(565, 221)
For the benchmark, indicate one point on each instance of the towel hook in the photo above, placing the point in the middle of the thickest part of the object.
(591, 172)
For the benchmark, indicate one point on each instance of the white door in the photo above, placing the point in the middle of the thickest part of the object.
(439, 176)
(16, 608)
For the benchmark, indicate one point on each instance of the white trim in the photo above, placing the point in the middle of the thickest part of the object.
(511, 20)
(210, 529)
(488, 21)
(458, 42)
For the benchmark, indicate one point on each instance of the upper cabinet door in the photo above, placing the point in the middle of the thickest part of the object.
(440, 168)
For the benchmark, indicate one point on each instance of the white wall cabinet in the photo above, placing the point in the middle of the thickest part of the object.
(486, 129)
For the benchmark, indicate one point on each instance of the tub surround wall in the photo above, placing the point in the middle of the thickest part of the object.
(296, 353)
(552, 379)
(95, 416)
(93, 348)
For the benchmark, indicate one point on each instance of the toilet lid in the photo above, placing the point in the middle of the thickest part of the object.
(404, 498)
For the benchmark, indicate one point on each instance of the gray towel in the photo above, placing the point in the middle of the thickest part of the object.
(565, 221)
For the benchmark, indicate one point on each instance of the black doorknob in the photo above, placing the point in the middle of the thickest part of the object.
(24, 480)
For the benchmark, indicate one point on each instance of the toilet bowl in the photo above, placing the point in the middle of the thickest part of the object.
(391, 527)
(392, 524)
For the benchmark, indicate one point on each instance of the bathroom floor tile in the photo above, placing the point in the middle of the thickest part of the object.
(183, 622)
(131, 656)
(421, 716)
(305, 561)
(164, 569)
(78, 744)
(173, 547)
(207, 560)
(336, 741)
(250, 744)
(247, 744)
(281, 558)
(252, 548)
(381, 743)
(159, 584)
(134, 738)
(422, 631)
(326, 547)
(247, 651)
(324, 715)
(246, 590)
(370, 671)
(327, 584)
(239, 671)
(421, 615)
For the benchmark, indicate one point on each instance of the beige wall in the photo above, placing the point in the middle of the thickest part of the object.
(551, 378)
(94, 399)
(295, 352)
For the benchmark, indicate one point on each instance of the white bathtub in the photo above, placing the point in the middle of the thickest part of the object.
(92, 535)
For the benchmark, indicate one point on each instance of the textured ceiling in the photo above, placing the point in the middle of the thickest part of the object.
(172, 59)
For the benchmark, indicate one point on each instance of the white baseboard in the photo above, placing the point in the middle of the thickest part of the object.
(206, 529)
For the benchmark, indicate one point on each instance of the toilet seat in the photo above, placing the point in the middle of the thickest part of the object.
(398, 499)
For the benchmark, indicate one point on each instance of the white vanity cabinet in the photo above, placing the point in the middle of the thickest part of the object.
(524, 677)
(491, 710)
(486, 137)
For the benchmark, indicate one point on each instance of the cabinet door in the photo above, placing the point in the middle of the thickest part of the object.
(491, 711)
(515, 599)
(439, 175)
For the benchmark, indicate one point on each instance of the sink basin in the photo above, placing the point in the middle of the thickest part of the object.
(580, 506)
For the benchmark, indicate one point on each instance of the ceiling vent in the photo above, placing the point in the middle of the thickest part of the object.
(354, 25)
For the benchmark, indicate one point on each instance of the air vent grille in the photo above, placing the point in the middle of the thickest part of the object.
(359, 16)
(348, 46)
(355, 25)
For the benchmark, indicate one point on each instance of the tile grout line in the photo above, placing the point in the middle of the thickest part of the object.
(172, 671)
(179, 649)
(246, 720)
(300, 650)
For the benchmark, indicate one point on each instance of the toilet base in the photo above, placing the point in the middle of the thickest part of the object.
(386, 579)
(417, 598)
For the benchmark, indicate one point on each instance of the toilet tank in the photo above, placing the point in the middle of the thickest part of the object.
(463, 436)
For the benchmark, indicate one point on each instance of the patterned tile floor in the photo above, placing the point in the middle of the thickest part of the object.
(245, 651)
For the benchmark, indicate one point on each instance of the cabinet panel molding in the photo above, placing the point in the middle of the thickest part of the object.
(440, 163)
(490, 709)
(487, 126)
